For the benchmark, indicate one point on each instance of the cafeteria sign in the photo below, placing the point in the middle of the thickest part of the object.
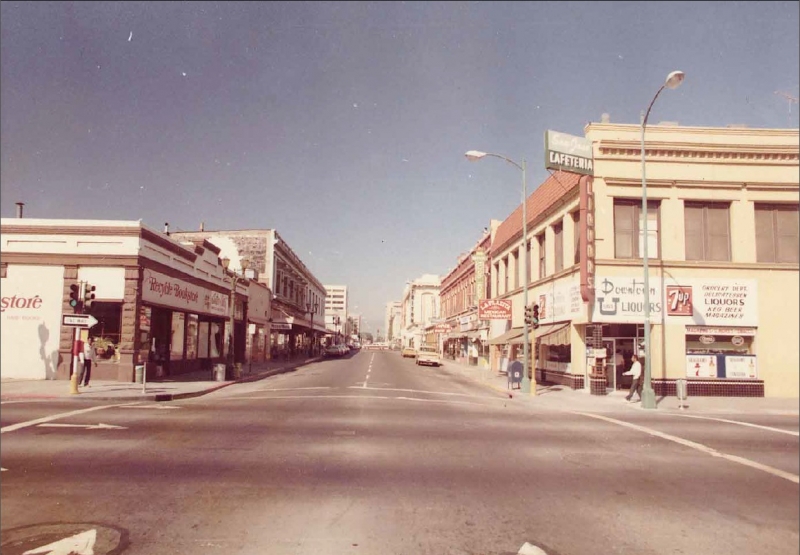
(493, 309)
(568, 153)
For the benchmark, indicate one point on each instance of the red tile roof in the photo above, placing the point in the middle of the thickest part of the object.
(559, 185)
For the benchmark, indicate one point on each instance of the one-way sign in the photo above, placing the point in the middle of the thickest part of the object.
(78, 320)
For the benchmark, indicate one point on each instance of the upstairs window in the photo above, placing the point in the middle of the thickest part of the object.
(558, 246)
(708, 235)
(629, 229)
(777, 233)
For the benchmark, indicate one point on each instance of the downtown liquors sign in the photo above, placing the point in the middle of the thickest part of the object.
(691, 302)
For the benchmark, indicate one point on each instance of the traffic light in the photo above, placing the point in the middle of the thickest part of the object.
(528, 315)
(535, 316)
(88, 296)
(74, 295)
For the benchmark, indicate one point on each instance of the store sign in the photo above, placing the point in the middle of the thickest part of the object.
(492, 309)
(479, 258)
(568, 153)
(712, 302)
(701, 366)
(280, 326)
(176, 293)
(586, 239)
(708, 330)
(560, 301)
(621, 299)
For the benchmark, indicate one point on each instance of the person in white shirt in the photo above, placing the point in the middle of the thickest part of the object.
(88, 359)
(635, 371)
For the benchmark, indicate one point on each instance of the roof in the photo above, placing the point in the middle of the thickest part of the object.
(554, 188)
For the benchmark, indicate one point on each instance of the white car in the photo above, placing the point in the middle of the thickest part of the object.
(428, 355)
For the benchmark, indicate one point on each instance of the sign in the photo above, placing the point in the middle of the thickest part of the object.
(679, 300)
(586, 239)
(78, 320)
(706, 330)
(560, 301)
(280, 326)
(737, 340)
(568, 153)
(723, 302)
(442, 328)
(177, 293)
(741, 367)
(621, 299)
(701, 366)
(707, 339)
(494, 309)
(479, 258)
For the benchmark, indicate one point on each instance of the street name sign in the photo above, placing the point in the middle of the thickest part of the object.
(78, 320)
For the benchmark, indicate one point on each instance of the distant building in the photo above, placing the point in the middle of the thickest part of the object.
(336, 307)
(393, 321)
(420, 309)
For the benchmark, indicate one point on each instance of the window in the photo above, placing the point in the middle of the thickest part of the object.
(178, 329)
(505, 275)
(777, 233)
(576, 218)
(707, 231)
(191, 336)
(542, 269)
(558, 246)
(528, 262)
(515, 257)
(628, 229)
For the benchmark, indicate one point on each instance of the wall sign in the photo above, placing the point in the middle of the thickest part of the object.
(568, 153)
(494, 309)
(586, 238)
(176, 293)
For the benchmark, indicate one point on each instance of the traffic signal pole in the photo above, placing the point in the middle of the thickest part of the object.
(76, 349)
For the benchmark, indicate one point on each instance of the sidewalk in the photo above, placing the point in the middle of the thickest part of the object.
(547, 396)
(563, 398)
(170, 388)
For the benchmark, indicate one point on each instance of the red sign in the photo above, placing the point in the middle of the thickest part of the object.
(586, 238)
(493, 309)
(442, 328)
(679, 300)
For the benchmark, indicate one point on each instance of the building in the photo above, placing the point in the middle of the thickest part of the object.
(463, 288)
(336, 307)
(723, 262)
(298, 305)
(393, 321)
(420, 309)
(160, 303)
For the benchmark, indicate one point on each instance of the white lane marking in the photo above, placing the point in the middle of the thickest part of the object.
(79, 544)
(3, 469)
(99, 426)
(293, 388)
(297, 397)
(530, 549)
(156, 407)
(771, 429)
(29, 423)
(492, 398)
(699, 446)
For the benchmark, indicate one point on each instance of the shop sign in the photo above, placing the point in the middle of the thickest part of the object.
(442, 328)
(621, 299)
(586, 240)
(707, 339)
(568, 153)
(280, 326)
(560, 301)
(479, 259)
(737, 340)
(701, 366)
(713, 302)
(494, 309)
(741, 367)
(708, 330)
(176, 293)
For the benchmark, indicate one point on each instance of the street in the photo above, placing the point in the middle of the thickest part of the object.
(371, 454)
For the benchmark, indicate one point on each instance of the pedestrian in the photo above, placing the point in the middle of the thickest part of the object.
(88, 359)
(636, 384)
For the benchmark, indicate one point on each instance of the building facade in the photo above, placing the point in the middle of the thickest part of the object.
(722, 241)
(336, 308)
(297, 307)
(393, 322)
(420, 309)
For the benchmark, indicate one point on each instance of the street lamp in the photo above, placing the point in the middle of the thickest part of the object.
(308, 309)
(527, 385)
(244, 263)
(673, 81)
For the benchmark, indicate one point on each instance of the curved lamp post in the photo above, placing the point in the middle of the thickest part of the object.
(673, 81)
(473, 156)
(244, 263)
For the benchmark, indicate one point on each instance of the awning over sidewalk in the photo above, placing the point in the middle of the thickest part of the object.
(507, 337)
(553, 334)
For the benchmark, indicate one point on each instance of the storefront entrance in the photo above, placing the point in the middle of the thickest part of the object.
(618, 360)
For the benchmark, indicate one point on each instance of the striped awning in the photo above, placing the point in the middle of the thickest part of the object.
(507, 337)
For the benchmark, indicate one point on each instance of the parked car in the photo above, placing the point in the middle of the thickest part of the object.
(408, 352)
(428, 355)
(332, 351)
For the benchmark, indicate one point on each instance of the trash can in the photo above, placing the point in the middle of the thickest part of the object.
(681, 391)
(139, 373)
(219, 372)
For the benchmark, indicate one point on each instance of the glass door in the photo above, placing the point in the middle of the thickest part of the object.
(611, 371)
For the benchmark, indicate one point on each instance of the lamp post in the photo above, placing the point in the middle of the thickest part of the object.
(673, 81)
(527, 385)
(244, 263)
(310, 311)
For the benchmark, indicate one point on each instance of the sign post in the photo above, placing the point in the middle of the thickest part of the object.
(78, 321)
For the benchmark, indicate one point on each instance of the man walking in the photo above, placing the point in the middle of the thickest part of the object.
(636, 372)
(88, 358)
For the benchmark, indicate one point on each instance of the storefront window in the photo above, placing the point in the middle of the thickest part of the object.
(203, 340)
(216, 340)
(176, 345)
(191, 336)
(109, 321)
(721, 353)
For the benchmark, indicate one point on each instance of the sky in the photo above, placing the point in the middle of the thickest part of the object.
(344, 125)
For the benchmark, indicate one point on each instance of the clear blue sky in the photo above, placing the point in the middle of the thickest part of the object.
(344, 125)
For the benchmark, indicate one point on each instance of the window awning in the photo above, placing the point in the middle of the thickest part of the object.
(507, 337)
(553, 334)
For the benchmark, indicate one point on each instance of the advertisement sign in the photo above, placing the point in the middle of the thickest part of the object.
(741, 367)
(479, 258)
(30, 321)
(568, 153)
(621, 299)
(712, 302)
(176, 293)
(679, 300)
(560, 301)
(494, 309)
(701, 366)
(443, 328)
(586, 239)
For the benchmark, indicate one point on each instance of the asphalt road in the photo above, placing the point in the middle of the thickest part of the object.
(373, 455)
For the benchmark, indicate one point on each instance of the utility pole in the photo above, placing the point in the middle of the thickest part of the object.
(790, 98)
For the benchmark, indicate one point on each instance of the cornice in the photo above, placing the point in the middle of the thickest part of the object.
(708, 184)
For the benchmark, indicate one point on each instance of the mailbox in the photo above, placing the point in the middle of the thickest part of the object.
(514, 374)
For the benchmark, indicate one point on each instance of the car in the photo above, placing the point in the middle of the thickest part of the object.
(332, 351)
(428, 355)
(408, 352)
